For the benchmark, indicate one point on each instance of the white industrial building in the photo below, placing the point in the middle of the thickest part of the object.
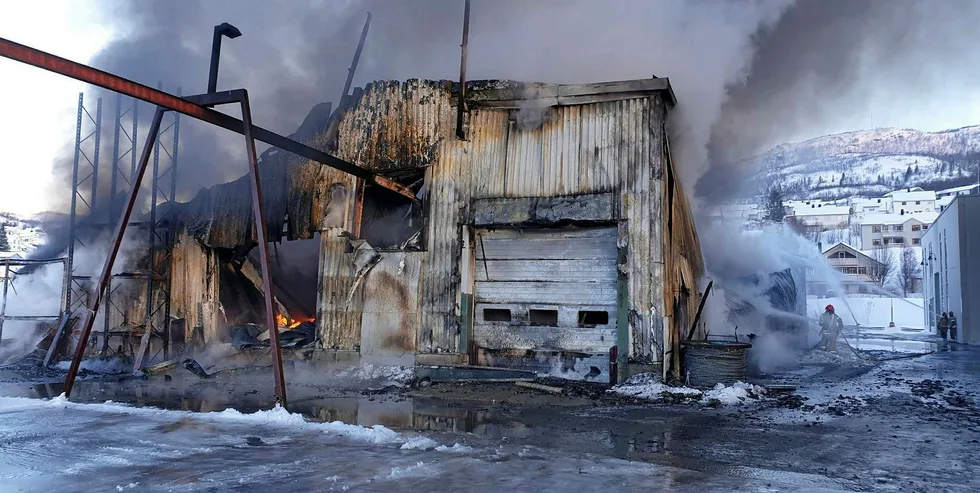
(951, 267)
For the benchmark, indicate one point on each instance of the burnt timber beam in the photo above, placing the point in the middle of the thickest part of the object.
(96, 77)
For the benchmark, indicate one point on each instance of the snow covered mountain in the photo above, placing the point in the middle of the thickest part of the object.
(24, 234)
(869, 162)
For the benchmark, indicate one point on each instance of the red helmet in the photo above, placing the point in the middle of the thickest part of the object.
(830, 308)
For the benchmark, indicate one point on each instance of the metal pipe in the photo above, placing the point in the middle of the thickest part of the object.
(84, 73)
(96, 298)
(223, 29)
(262, 237)
(357, 57)
(151, 260)
(461, 104)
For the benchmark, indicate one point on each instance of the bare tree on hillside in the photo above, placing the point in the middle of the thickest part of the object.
(909, 271)
(882, 267)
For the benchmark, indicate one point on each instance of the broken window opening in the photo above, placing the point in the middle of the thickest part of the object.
(391, 222)
(590, 318)
(543, 317)
(496, 315)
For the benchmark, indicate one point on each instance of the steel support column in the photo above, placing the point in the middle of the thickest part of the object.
(88, 318)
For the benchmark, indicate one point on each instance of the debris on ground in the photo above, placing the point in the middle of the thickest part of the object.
(537, 386)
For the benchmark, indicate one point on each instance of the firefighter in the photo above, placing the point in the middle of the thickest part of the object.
(943, 325)
(830, 327)
(951, 323)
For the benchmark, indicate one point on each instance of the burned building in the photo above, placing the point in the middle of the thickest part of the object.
(554, 231)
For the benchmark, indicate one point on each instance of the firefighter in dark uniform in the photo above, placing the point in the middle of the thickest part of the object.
(830, 327)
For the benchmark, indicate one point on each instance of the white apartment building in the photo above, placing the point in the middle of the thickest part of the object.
(895, 230)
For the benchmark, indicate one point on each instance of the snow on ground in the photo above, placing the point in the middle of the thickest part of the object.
(56, 445)
(872, 311)
(647, 386)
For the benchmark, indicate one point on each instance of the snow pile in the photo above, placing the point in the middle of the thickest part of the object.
(419, 443)
(104, 366)
(647, 386)
(457, 448)
(737, 393)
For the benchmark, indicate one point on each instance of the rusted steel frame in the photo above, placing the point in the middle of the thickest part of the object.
(3, 302)
(84, 73)
(240, 96)
(357, 57)
(697, 316)
(359, 187)
(461, 104)
(262, 235)
(88, 318)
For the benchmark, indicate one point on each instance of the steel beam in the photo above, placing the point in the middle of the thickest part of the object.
(96, 297)
(84, 73)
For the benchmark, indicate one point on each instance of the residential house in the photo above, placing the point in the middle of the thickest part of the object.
(894, 230)
(857, 268)
(951, 267)
(861, 206)
(911, 201)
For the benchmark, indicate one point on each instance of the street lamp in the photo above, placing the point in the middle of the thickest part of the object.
(223, 29)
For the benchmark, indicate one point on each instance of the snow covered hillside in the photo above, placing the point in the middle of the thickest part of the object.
(24, 234)
(869, 163)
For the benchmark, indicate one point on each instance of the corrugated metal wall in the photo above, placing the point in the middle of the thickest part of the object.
(612, 146)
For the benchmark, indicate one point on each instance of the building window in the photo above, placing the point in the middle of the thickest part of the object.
(862, 270)
(916, 227)
(917, 202)
(915, 241)
(897, 227)
(885, 240)
(876, 229)
(850, 270)
(844, 255)
(904, 203)
(898, 240)
(925, 227)
(876, 242)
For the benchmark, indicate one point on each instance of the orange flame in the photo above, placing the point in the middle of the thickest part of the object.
(282, 321)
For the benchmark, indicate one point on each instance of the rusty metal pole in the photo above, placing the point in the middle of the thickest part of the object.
(461, 105)
(262, 237)
(3, 304)
(357, 57)
(93, 303)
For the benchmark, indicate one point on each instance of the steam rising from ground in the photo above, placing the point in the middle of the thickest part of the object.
(295, 54)
(40, 292)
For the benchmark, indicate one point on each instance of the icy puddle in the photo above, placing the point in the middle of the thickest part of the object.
(55, 445)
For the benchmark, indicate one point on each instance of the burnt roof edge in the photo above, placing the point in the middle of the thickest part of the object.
(513, 94)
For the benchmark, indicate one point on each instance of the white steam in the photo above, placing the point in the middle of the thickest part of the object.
(40, 292)
(740, 263)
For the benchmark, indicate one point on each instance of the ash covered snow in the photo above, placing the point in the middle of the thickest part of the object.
(647, 386)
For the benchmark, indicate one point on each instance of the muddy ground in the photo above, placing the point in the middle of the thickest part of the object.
(875, 421)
